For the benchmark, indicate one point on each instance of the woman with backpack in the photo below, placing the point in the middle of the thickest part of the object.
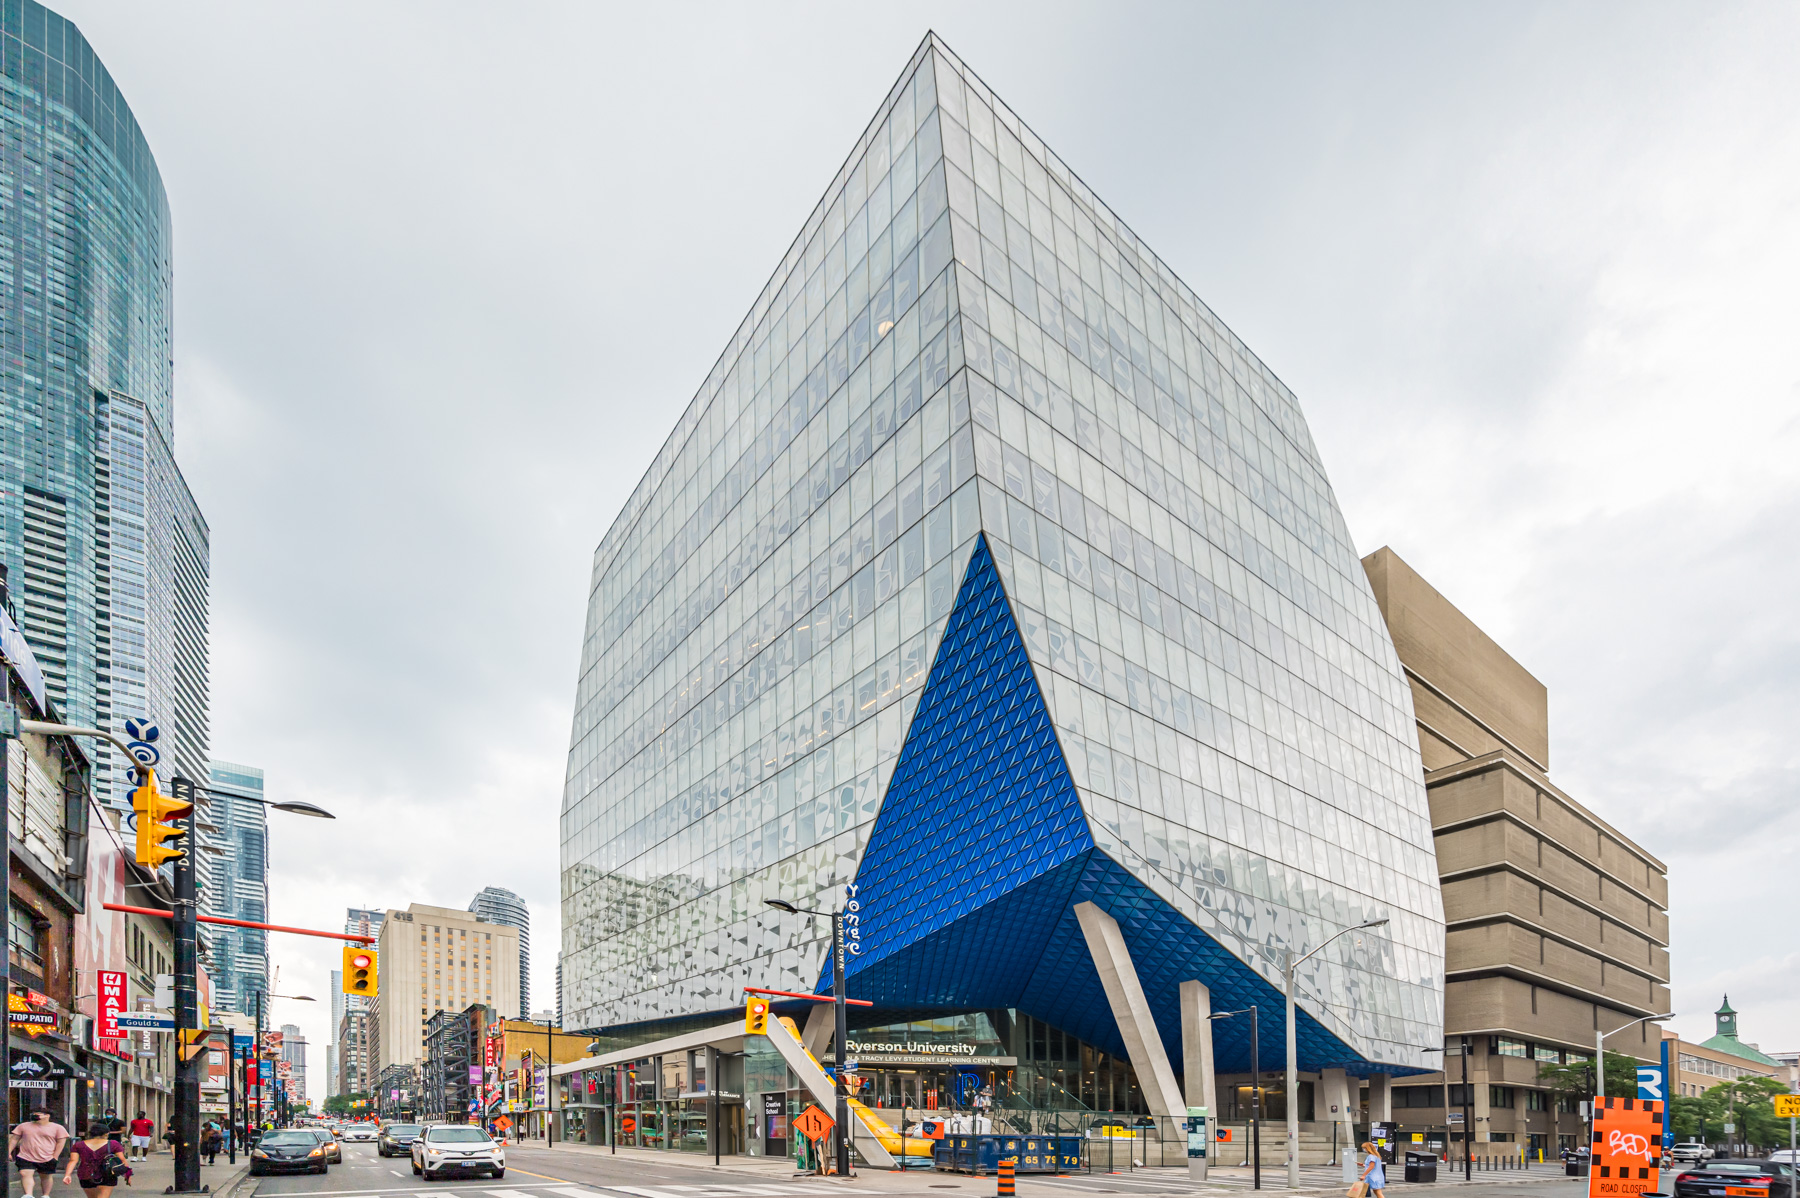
(98, 1160)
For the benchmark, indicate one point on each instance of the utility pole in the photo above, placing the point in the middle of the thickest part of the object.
(190, 1057)
(9, 727)
(1468, 1117)
(839, 1089)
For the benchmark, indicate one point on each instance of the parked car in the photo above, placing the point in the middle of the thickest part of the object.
(1739, 1177)
(360, 1131)
(297, 1151)
(1690, 1150)
(396, 1139)
(449, 1148)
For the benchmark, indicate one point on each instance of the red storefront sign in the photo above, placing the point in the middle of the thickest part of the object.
(112, 1001)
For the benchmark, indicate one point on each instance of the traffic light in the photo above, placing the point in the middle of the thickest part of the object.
(359, 971)
(756, 1017)
(154, 809)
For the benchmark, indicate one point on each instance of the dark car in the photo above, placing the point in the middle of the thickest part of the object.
(288, 1152)
(396, 1139)
(1737, 1177)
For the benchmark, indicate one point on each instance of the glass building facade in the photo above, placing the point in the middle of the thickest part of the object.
(102, 544)
(989, 574)
(238, 958)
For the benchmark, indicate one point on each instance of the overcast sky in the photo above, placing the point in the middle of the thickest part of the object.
(446, 274)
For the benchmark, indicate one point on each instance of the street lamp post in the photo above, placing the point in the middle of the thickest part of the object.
(1293, 1064)
(256, 1046)
(1255, 1093)
(841, 1132)
(1600, 1066)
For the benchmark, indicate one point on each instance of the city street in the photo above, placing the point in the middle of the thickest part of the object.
(589, 1173)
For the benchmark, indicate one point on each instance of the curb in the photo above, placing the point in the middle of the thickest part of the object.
(239, 1183)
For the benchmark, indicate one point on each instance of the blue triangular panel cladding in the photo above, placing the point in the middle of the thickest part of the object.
(981, 800)
(981, 851)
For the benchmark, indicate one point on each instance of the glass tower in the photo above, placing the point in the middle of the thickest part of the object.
(238, 887)
(989, 574)
(496, 904)
(101, 542)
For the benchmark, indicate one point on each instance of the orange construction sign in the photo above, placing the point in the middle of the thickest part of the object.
(503, 1123)
(813, 1123)
(1628, 1136)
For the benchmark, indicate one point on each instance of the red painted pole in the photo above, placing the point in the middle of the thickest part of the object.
(855, 1002)
(245, 923)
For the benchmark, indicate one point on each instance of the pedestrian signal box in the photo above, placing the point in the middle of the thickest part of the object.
(153, 810)
(756, 1016)
(359, 972)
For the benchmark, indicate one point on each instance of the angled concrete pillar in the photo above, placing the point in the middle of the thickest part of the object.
(821, 1021)
(1132, 1011)
(1381, 1109)
(1197, 1062)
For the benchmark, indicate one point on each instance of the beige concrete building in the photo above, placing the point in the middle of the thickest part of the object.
(1556, 923)
(437, 959)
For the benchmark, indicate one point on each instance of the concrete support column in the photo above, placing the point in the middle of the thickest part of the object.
(1381, 1099)
(1197, 1064)
(1336, 1085)
(1125, 994)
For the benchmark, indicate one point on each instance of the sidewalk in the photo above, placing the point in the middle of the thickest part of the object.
(156, 1175)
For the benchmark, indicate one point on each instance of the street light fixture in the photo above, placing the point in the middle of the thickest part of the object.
(1255, 1094)
(1293, 1065)
(1600, 1062)
(841, 1132)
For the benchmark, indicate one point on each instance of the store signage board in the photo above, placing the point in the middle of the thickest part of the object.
(112, 1003)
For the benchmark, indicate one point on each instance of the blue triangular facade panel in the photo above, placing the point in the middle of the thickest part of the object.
(967, 889)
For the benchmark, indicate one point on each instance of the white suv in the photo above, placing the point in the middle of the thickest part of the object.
(444, 1149)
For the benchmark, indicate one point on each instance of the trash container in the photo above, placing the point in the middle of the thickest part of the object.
(1421, 1166)
(1576, 1166)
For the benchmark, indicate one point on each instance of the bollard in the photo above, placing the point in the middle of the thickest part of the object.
(1004, 1176)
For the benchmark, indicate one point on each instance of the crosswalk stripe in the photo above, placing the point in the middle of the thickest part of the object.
(507, 1193)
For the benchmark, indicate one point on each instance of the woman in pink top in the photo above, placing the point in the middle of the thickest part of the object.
(35, 1145)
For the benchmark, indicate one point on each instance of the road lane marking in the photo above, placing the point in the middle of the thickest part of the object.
(507, 1193)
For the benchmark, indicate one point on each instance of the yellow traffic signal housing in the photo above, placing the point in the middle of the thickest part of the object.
(154, 809)
(359, 971)
(756, 1017)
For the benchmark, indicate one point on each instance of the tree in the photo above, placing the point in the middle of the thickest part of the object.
(1691, 1117)
(344, 1104)
(1745, 1103)
(1577, 1078)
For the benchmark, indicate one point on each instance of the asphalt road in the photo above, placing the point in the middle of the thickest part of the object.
(540, 1173)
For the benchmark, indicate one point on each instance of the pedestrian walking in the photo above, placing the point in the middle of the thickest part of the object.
(34, 1146)
(98, 1162)
(171, 1136)
(212, 1143)
(1374, 1173)
(141, 1131)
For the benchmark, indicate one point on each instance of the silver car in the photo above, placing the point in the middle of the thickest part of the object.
(449, 1149)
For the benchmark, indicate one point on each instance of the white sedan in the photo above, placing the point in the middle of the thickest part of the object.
(445, 1149)
(360, 1131)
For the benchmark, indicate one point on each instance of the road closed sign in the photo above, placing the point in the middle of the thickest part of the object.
(1628, 1134)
